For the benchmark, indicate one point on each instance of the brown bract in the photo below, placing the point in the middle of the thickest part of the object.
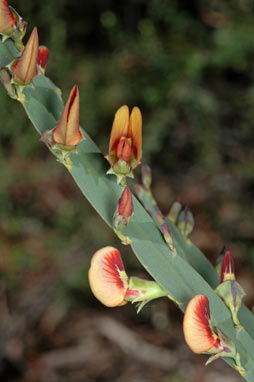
(126, 136)
(67, 130)
(7, 20)
(197, 328)
(107, 277)
(25, 68)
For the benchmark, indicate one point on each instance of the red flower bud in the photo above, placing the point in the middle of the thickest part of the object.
(43, 55)
(67, 131)
(123, 214)
(227, 267)
(25, 68)
(125, 205)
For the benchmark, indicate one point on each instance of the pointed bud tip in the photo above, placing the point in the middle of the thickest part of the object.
(107, 277)
(196, 325)
(227, 266)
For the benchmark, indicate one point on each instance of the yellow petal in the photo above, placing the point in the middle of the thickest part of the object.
(196, 325)
(7, 20)
(107, 277)
(120, 127)
(67, 130)
(135, 133)
(26, 67)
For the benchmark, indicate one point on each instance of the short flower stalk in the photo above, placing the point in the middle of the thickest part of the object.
(229, 289)
(125, 143)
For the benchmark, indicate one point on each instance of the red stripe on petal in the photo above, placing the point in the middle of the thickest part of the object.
(113, 265)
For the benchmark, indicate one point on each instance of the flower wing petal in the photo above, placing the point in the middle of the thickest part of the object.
(120, 127)
(135, 133)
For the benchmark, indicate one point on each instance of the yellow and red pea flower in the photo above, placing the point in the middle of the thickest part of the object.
(198, 332)
(111, 285)
(125, 142)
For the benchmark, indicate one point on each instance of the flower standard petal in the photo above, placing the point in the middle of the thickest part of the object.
(107, 277)
(67, 131)
(119, 129)
(7, 19)
(25, 69)
(135, 133)
(197, 328)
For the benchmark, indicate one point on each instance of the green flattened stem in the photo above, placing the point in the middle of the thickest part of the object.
(182, 276)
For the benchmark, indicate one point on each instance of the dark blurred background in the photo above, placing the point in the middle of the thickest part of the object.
(189, 66)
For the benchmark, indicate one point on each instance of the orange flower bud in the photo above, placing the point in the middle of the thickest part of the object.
(67, 130)
(107, 277)
(43, 55)
(227, 267)
(197, 328)
(25, 68)
(125, 141)
(7, 19)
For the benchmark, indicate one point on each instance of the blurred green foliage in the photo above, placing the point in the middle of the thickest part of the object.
(189, 67)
